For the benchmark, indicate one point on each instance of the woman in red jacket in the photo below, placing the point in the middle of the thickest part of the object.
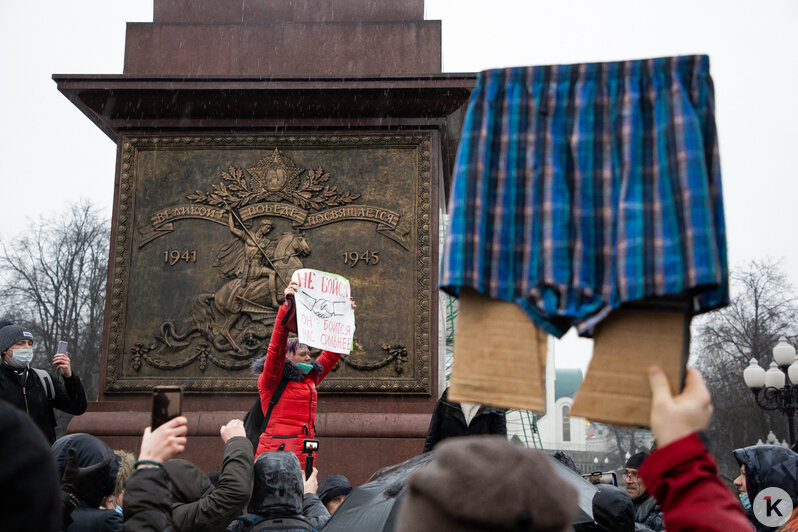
(292, 418)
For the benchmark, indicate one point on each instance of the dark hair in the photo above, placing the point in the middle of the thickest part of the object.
(292, 345)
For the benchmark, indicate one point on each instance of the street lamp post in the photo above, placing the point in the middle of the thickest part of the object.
(776, 388)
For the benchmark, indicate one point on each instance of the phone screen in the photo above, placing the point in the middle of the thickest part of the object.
(62, 347)
(601, 478)
(166, 404)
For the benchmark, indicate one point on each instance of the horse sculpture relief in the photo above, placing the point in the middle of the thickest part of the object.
(240, 314)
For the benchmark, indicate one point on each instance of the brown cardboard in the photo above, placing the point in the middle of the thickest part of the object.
(499, 355)
(626, 344)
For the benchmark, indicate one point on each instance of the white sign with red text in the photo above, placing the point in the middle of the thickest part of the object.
(324, 314)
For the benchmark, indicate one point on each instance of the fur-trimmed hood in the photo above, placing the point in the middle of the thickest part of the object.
(290, 370)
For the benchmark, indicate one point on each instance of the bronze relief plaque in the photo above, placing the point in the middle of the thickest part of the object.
(209, 230)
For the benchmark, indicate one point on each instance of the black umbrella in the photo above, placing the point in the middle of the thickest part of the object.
(372, 507)
(585, 489)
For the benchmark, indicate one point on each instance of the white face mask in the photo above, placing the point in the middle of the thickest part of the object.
(21, 357)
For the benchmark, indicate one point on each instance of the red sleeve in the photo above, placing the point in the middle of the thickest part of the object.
(328, 360)
(684, 480)
(275, 360)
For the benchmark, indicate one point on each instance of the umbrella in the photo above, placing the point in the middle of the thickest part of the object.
(585, 489)
(372, 507)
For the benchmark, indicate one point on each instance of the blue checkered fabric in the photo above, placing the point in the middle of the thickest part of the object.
(578, 188)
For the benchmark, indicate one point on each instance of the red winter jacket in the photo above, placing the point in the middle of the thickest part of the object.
(684, 480)
(292, 419)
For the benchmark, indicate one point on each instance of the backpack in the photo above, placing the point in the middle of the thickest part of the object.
(255, 421)
(47, 383)
(259, 524)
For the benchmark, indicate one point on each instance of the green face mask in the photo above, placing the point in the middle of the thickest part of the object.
(304, 368)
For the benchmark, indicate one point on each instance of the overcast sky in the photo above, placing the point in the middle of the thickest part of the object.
(50, 153)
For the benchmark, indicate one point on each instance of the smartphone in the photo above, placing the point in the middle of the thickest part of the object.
(601, 478)
(166, 404)
(309, 447)
(62, 347)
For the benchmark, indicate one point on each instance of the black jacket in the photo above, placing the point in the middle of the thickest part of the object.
(32, 398)
(448, 421)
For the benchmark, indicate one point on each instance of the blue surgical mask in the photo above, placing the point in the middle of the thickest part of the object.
(118, 509)
(21, 358)
(304, 368)
(745, 501)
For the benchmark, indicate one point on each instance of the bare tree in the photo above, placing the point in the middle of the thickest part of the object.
(53, 282)
(763, 308)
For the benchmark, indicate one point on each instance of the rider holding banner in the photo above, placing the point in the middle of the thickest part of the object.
(288, 361)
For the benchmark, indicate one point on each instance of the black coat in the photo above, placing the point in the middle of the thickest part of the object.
(448, 421)
(69, 397)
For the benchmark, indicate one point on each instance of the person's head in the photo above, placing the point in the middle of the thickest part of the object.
(16, 345)
(126, 461)
(31, 495)
(739, 482)
(332, 491)
(486, 483)
(297, 352)
(613, 511)
(265, 227)
(279, 485)
(90, 451)
(767, 466)
(631, 474)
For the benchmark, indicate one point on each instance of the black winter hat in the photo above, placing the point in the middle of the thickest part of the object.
(636, 460)
(91, 450)
(332, 486)
(11, 334)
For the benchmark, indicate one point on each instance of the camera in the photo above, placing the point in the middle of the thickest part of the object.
(601, 478)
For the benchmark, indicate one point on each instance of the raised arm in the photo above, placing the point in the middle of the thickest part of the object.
(272, 372)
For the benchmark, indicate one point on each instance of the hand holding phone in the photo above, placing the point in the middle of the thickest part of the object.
(61, 360)
(166, 404)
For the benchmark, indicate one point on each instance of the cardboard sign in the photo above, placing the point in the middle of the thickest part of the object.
(325, 317)
(499, 355)
(615, 389)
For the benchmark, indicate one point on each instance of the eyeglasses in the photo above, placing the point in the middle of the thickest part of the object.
(631, 473)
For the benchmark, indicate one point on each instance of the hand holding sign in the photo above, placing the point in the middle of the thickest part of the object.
(325, 310)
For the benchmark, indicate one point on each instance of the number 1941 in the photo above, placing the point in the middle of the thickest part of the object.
(353, 258)
(173, 256)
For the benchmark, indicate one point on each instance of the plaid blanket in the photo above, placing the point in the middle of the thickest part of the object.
(578, 188)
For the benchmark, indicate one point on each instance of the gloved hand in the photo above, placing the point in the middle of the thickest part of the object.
(78, 480)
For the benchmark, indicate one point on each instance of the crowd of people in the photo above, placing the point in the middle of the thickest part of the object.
(475, 480)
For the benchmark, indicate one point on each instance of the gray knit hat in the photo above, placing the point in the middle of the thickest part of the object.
(486, 483)
(11, 334)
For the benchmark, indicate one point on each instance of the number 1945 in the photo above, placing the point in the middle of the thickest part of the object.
(353, 258)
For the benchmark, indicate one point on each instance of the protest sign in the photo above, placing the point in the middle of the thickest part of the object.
(325, 317)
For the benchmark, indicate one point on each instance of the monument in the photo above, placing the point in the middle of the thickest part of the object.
(253, 140)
